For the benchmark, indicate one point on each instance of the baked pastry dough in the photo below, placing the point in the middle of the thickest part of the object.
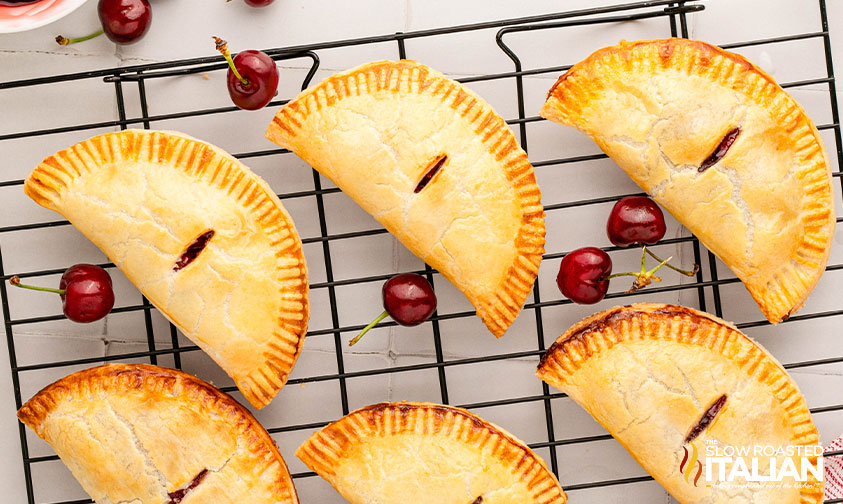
(393, 453)
(436, 166)
(149, 435)
(722, 147)
(668, 382)
(201, 236)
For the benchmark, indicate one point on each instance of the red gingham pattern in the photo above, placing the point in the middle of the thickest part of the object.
(834, 471)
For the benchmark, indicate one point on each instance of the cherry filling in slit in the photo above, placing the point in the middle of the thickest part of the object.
(721, 150)
(177, 496)
(428, 176)
(193, 250)
(478, 500)
(706, 419)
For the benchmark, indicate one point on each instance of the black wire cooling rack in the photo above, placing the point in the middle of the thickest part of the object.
(707, 289)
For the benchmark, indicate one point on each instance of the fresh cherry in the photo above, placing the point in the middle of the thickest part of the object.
(259, 3)
(123, 21)
(85, 291)
(408, 298)
(584, 275)
(252, 77)
(635, 219)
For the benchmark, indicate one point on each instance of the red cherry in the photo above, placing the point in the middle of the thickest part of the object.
(259, 3)
(252, 77)
(85, 291)
(260, 72)
(124, 21)
(409, 299)
(88, 294)
(583, 275)
(635, 219)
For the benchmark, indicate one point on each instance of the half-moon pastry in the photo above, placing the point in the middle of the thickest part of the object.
(722, 147)
(393, 453)
(677, 387)
(436, 166)
(149, 435)
(204, 238)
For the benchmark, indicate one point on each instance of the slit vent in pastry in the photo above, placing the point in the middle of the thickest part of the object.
(722, 147)
(202, 237)
(474, 213)
(669, 382)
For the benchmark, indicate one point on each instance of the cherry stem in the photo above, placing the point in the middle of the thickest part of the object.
(15, 280)
(643, 263)
(649, 274)
(222, 47)
(674, 268)
(60, 40)
(644, 277)
(366, 329)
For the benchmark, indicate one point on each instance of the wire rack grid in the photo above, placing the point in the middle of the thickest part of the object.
(706, 287)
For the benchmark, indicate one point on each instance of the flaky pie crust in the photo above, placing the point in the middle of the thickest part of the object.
(648, 372)
(144, 196)
(421, 452)
(659, 108)
(375, 131)
(136, 433)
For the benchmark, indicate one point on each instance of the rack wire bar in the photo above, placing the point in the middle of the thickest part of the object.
(674, 12)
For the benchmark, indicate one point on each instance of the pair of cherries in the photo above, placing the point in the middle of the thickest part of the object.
(584, 274)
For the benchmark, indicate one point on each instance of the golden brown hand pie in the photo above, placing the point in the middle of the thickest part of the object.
(201, 236)
(669, 383)
(719, 144)
(436, 166)
(393, 453)
(149, 435)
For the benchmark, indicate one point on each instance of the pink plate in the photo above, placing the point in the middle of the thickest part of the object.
(29, 16)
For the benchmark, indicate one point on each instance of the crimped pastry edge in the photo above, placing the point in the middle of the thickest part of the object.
(788, 289)
(326, 447)
(211, 165)
(154, 380)
(499, 308)
(593, 335)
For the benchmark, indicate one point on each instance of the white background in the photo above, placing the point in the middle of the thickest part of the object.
(182, 29)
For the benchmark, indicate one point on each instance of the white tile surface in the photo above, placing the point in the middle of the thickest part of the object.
(182, 30)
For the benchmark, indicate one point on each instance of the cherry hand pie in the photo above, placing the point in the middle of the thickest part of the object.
(393, 453)
(719, 144)
(436, 166)
(673, 385)
(149, 435)
(201, 236)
